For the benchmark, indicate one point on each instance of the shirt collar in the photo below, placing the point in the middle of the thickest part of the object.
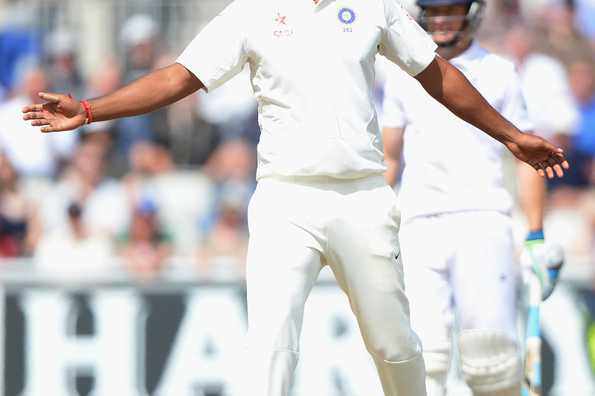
(472, 52)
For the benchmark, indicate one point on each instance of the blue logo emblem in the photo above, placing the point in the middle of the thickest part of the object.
(346, 16)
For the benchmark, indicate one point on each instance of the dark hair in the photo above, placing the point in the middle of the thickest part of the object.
(74, 210)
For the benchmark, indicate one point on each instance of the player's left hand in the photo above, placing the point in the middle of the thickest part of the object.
(543, 260)
(544, 157)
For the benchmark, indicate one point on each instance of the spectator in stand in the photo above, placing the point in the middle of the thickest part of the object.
(104, 79)
(193, 136)
(74, 250)
(223, 250)
(582, 145)
(184, 196)
(232, 168)
(32, 154)
(18, 225)
(140, 39)
(147, 161)
(585, 17)
(83, 180)
(19, 44)
(551, 106)
(556, 24)
(232, 109)
(499, 17)
(146, 245)
(578, 192)
(142, 52)
(62, 69)
(582, 81)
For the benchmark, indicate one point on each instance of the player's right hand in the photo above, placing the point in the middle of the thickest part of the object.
(59, 113)
(543, 259)
(543, 156)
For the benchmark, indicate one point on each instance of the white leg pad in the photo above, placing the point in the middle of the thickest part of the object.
(490, 361)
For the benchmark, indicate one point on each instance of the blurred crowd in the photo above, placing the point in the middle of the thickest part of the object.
(169, 187)
(172, 188)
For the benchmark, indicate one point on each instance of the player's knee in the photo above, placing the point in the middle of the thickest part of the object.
(395, 350)
(490, 361)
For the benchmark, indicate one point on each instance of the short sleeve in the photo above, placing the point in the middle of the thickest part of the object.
(514, 107)
(218, 52)
(403, 41)
(393, 114)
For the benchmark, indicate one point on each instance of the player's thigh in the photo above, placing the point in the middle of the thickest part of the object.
(279, 278)
(283, 263)
(485, 274)
(364, 257)
(363, 244)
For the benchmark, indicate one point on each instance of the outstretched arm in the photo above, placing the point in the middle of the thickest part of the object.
(155, 90)
(449, 86)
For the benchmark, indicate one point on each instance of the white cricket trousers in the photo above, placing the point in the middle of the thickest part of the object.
(463, 265)
(298, 225)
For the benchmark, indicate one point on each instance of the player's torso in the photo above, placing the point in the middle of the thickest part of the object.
(312, 74)
(451, 165)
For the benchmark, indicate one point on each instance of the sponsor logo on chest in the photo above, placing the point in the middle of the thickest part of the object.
(282, 27)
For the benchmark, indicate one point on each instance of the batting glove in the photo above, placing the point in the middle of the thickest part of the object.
(544, 260)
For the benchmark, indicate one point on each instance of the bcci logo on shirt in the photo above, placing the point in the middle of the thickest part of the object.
(347, 17)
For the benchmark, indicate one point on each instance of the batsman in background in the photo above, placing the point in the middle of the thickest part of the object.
(321, 197)
(456, 237)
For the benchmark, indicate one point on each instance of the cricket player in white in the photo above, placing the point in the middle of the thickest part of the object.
(321, 197)
(456, 236)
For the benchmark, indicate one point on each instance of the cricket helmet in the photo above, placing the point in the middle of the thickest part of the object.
(473, 18)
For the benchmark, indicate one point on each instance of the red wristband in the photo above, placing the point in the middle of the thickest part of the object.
(88, 112)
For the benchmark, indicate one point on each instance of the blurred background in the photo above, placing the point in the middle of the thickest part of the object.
(122, 246)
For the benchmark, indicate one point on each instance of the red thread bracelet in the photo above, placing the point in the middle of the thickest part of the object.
(88, 112)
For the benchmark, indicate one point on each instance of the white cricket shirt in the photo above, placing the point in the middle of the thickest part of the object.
(312, 73)
(450, 165)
